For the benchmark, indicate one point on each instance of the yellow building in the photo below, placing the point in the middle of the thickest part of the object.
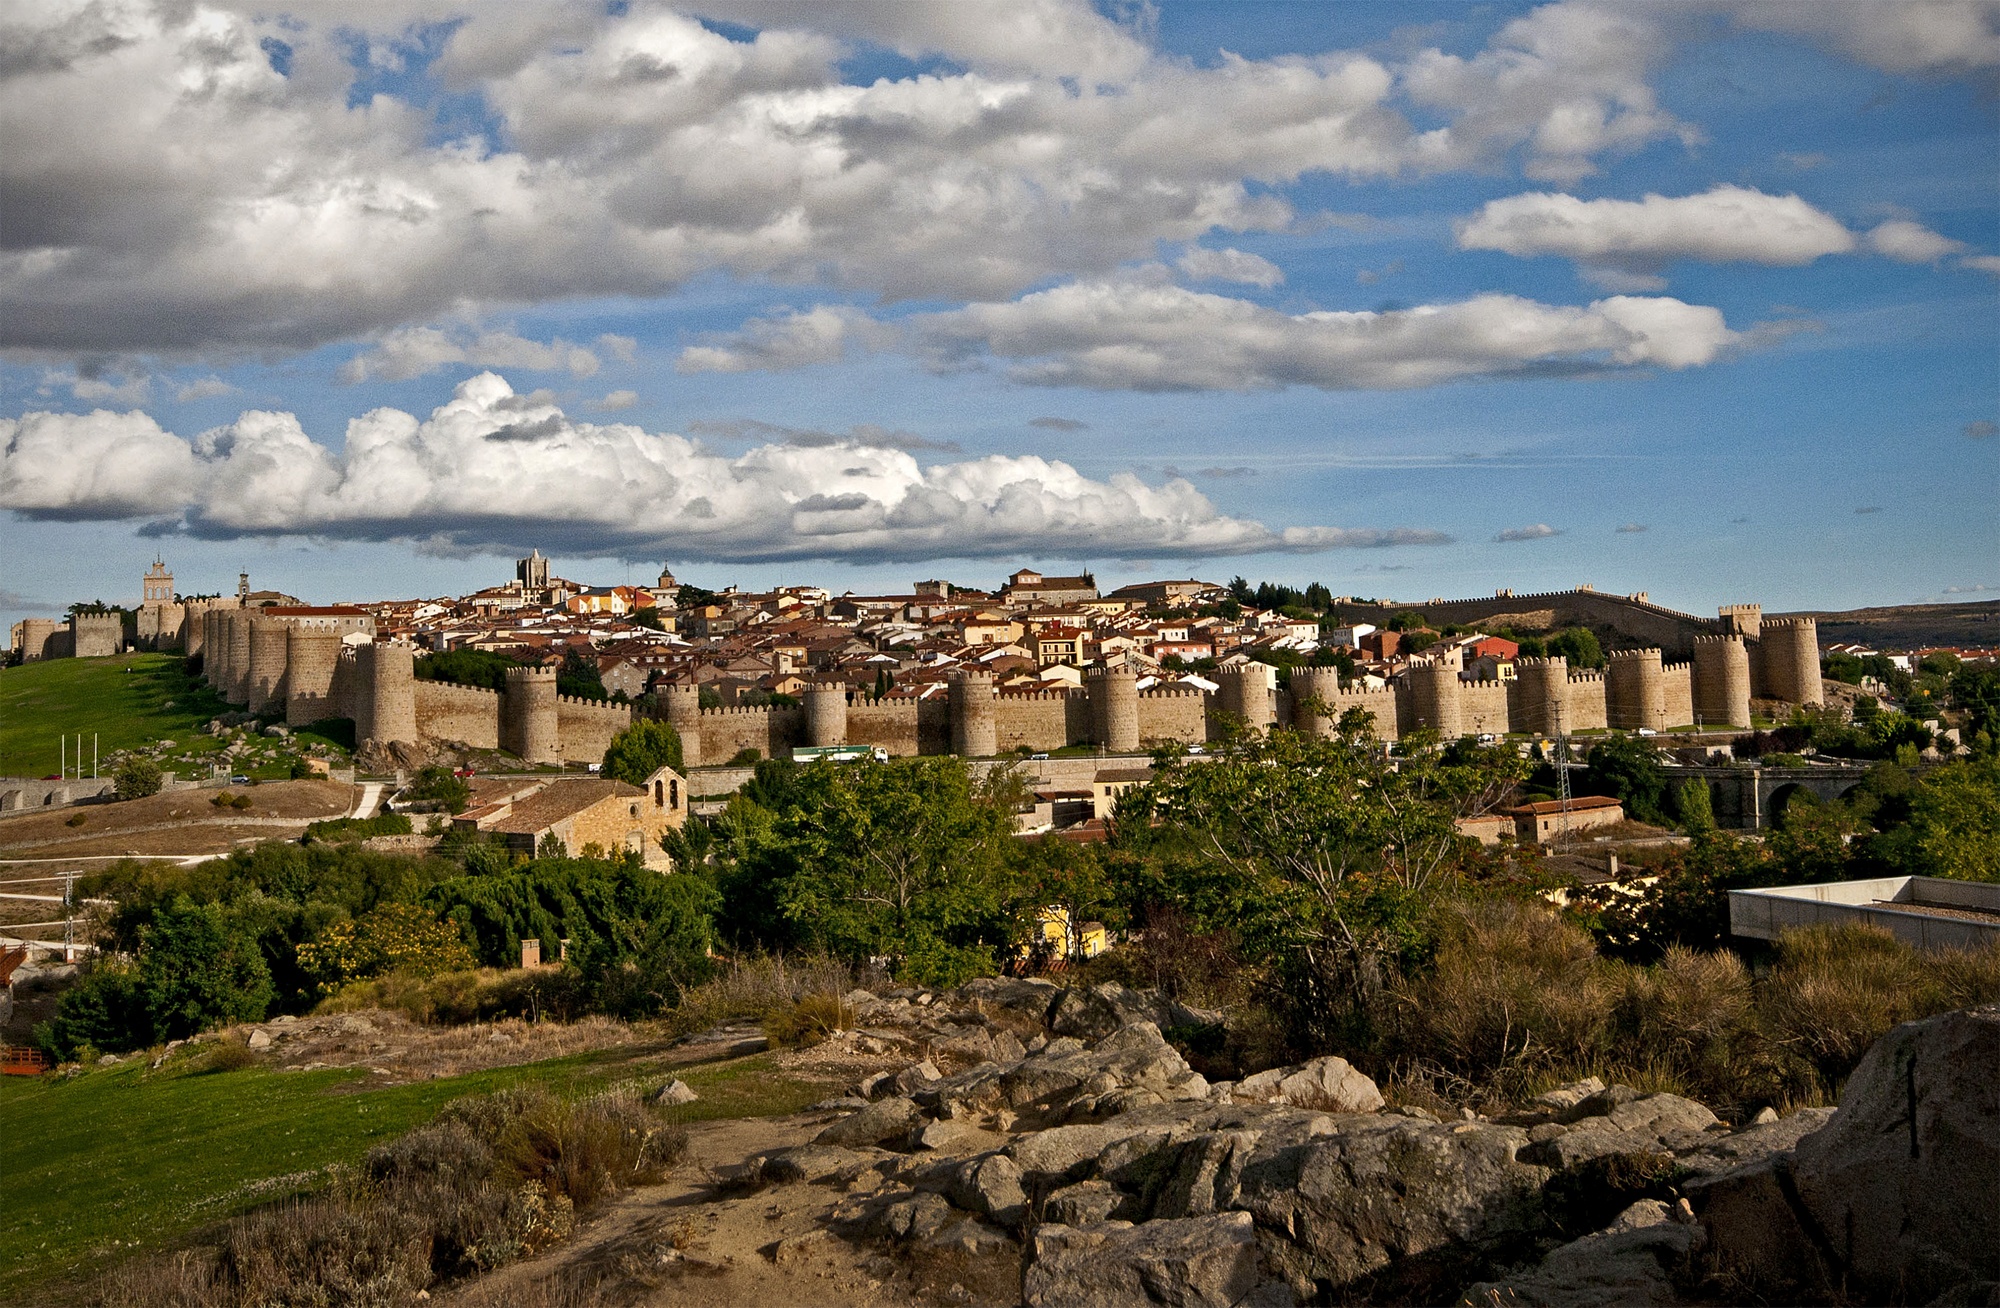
(584, 813)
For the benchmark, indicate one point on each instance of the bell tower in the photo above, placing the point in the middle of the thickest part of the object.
(158, 585)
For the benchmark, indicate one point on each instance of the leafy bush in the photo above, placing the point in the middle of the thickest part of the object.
(440, 786)
(137, 778)
(390, 938)
(745, 757)
(931, 962)
(348, 830)
(641, 750)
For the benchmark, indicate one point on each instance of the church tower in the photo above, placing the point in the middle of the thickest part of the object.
(158, 585)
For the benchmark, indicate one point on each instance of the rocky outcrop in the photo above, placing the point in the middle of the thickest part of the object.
(1118, 1174)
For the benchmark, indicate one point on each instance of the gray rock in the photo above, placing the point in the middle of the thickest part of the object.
(970, 1237)
(1631, 1262)
(1599, 1103)
(990, 1185)
(885, 1119)
(1565, 1097)
(808, 1163)
(1381, 1187)
(951, 1137)
(1097, 1012)
(1644, 1124)
(874, 1085)
(1083, 1203)
(1195, 1262)
(1905, 1178)
(909, 1216)
(1329, 1084)
(1720, 1153)
(675, 1093)
(259, 1039)
(1027, 998)
(1765, 1116)
(914, 1077)
(1757, 1240)
(1207, 1174)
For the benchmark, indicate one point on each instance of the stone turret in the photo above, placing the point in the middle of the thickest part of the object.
(1437, 700)
(975, 731)
(529, 723)
(310, 659)
(1635, 693)
(826, 713)
(237, 633)
(266, 681)
(1542, 691)
(1789, 656)
(683, 708)
(1249, 693)
(388, 695)
(1309, 684)
(1114, 705)
(1721, 681)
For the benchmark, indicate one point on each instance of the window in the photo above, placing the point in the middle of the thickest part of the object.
(635, 810)
(659, 793)
(674, 795)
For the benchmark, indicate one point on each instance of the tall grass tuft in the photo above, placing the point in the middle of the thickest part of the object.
(491, 1180)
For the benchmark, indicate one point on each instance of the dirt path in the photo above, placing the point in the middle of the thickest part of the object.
(696, 1242)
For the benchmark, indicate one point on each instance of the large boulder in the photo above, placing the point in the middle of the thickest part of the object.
(1904, 1182)
(1638, 1124)
(1097, 1012)
(1630, 1263)
(1331, 1085)
(1381, 1188)
(1194, 1262)
(885, 1119)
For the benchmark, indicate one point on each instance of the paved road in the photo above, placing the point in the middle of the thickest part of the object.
(371, 795)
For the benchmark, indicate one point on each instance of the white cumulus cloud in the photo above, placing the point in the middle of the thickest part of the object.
(1948, 37)
(1536, 531)
(492, 468)
(175, 185)
(822, 334)
(1727, 224)
(1908, 242)
(1205, 265)
(420, 351)
(1141, 336)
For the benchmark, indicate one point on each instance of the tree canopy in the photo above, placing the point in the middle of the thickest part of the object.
(641, 750)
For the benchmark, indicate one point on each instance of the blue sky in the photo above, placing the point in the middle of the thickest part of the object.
(1411, 299)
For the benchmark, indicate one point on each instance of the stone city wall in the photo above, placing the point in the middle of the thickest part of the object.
(1170, 714)
(467, 714)
(892, 724)
(585, 727)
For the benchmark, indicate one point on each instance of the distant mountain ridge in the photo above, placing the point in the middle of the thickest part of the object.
(1907, 626)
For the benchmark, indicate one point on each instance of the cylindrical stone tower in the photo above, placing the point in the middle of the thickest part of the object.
(388, 695)
(208, 646)
(826, 713)
(1310, 684)
(683, 701)
(975, 732)
(1437, 698)
(237, 691)
(1791, 660)
(1248, 693)
(1721, 681)
(267, 662)
(1543, 690)
(194, 628)
(1114, 703)
(529, 724)
(1635, 693)
(310, 658)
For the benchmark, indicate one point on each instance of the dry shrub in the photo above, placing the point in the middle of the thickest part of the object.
(491, 1180)
(1513, 989)
(451, 999)
(228, 1056)
(808, 1021)
(1838, 989)
(754, 988)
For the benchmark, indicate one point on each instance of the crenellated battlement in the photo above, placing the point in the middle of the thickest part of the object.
(1631, 655)
(1555, 661)
(1719, 639)
(576, 701)
(1029, 696)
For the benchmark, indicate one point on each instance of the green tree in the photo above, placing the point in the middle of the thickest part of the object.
(137, 778)
(466, 667)
(103, 1011)
(1953, 829)
(399, 938)
(648, 617)
(1325, 857)
(440, 785)
(1628, 769)
(199, 969)
(1577, 644)
(1072, 880)
(871, 859)
(579, 676)
(641, 750)
(1696, 809)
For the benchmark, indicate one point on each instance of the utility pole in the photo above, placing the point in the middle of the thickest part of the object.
(93, 755)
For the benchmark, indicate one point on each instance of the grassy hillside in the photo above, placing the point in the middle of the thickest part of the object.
(123, 1158)
(127, 701)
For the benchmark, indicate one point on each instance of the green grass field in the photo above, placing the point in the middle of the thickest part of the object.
(122, 1158)
(126, 702)
(42, 701)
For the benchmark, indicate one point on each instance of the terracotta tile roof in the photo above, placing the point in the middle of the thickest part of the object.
(561, 799)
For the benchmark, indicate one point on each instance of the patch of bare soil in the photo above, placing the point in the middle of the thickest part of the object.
(175, 822)
(702, 1241)
(396, 1050)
